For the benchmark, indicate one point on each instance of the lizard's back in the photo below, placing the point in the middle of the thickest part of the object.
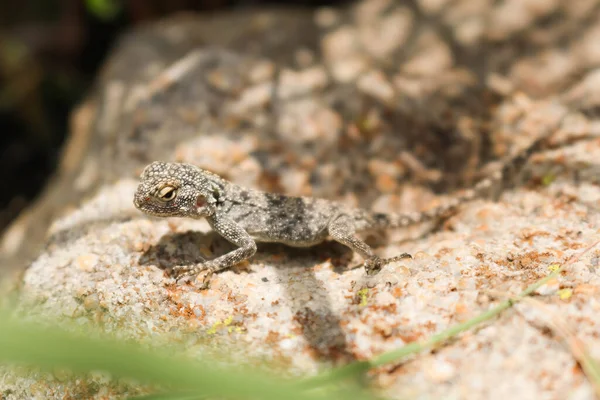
(272, 217)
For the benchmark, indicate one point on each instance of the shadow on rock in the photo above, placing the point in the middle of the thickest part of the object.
(310, 303)
(185, 248)
(320, 325)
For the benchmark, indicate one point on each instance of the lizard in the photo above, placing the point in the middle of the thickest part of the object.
(246, 216)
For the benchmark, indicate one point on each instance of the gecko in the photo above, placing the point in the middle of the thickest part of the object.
(245, 216)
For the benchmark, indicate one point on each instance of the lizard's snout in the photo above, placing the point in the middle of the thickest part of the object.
(138, 200)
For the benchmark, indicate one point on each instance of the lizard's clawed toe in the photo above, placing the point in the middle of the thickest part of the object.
(183, 271)
(374, 264)
(397, 258)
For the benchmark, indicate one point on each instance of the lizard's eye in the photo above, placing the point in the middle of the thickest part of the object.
(166, 193)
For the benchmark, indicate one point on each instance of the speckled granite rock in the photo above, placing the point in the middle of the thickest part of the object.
(383, 107)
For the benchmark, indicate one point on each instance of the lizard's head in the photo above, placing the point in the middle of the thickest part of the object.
(176, 190)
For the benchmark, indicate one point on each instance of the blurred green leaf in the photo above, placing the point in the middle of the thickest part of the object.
(548, 179)
(168, 396)
(51, 348)
(104, 9)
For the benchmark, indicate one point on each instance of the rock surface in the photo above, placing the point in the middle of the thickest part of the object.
(379, 105)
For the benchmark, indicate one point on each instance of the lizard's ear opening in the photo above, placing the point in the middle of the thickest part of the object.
(200, 201)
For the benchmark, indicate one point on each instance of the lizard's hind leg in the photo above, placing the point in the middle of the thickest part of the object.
(342, 230)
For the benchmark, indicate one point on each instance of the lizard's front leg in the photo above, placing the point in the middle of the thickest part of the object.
(236, 235)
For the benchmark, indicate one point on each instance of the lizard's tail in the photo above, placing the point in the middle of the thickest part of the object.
(489, 187)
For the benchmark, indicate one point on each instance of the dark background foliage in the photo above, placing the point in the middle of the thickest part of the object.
(50, 51)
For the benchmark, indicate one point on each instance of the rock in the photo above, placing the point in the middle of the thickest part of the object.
(333, 123)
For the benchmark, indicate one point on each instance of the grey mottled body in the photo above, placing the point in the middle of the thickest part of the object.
(245, 216)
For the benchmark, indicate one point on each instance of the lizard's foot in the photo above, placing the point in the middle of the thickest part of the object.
(374, 264)
(182, 271)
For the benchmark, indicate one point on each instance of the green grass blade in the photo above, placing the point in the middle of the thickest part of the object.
(26, 343)
(358, 368)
